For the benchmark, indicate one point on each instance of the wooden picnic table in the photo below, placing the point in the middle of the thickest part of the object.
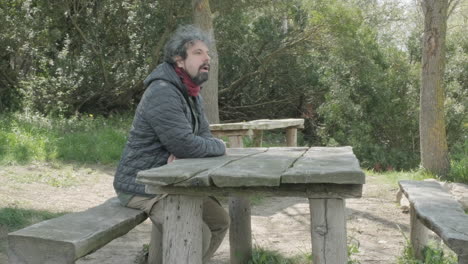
(255, 128)
(324, 175)
(238, 205)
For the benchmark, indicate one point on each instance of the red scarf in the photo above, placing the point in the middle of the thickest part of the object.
(192, 88)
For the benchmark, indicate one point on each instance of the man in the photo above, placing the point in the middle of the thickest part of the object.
(169, 124)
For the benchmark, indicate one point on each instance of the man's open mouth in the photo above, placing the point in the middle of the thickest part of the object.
(205, 68)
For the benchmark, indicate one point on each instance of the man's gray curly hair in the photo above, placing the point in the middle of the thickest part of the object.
(182, 39)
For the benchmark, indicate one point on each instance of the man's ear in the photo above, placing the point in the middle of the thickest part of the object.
(179, 61)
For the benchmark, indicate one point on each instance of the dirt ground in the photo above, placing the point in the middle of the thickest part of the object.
(278, 223)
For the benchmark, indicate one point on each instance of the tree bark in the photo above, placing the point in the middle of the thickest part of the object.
(203, 19)
(434, 150)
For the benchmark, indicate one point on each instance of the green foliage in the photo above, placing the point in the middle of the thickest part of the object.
(17, 218)
(351, 69)
(353, 248)
(86, 139)
(432, 254)
(83, 56)
(459, 163)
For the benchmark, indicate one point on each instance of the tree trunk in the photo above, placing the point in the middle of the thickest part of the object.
(202, 18)
(434, 150)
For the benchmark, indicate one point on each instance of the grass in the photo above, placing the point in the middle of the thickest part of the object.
(17, 218)
(264, 256)
(432, 254)
(25, 138)
(392, 177)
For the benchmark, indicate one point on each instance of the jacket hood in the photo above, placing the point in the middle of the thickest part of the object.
(165, 72)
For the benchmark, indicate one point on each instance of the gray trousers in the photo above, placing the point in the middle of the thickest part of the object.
(215, 225)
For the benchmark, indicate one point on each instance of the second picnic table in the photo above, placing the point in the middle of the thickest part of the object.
(324, 175)
(236, 131)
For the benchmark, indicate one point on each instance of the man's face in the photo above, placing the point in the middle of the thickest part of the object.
(197, 63)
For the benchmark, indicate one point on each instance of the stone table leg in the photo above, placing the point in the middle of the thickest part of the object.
(240, 236)
(257, 138)
(182, 229)
(155, 247)
(291, 136)
(236, 142)
(328, 231)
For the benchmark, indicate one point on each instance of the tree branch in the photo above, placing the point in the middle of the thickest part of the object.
(259, 104)
(162, 40)
(7, 78)
(83, 36)
(264, 62)
(452, 4)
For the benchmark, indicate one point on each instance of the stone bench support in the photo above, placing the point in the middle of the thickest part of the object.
(431, 207)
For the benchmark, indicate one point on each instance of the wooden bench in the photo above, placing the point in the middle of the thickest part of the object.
(67, 238)
(434, 208)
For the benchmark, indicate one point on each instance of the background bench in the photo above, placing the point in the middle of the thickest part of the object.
(434, 208)
(67, 238)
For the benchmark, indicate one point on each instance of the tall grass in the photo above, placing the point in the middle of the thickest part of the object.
(28, 137)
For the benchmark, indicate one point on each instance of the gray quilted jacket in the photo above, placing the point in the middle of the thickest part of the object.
(166, 121)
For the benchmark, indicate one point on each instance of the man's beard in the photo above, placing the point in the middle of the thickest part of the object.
(200, 78)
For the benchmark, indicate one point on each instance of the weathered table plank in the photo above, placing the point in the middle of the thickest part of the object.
(263, 169)
(325, 165)
(192, 172)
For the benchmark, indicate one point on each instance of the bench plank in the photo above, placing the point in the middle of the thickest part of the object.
(322, 165)
(67, 238)
(438, 211)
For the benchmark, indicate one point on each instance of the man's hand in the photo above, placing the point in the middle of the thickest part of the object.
(225, 147)
(171, 158)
